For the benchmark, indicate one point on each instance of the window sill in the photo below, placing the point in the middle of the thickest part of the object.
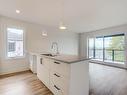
(14, 58)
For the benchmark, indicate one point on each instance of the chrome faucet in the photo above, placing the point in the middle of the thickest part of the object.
(55, 44)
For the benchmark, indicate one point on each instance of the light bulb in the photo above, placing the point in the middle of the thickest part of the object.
(17, 11)
(62, 26)
(44, 33)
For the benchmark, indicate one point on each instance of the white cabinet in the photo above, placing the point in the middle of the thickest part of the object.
(43, 70)
(39, 67)
(62, 78)
(33, 63)
(56, 90)
(61, 68)
(59, 84)
(59, 77)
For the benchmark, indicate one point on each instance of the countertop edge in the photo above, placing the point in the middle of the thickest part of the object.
(85, 59)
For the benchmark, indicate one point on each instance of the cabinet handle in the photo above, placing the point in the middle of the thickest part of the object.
(40, 60)
(56, 87)
(56, 75)
(56, 62)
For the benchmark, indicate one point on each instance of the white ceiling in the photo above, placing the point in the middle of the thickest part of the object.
(79, 15)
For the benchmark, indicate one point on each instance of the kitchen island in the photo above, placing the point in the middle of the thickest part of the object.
(64, 74)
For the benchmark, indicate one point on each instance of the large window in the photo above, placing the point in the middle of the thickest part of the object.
(15, 46)
(108, 48)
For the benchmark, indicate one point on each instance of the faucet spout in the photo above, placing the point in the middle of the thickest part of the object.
(55, 47)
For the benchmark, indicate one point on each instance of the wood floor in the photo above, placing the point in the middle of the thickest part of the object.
(22, 84)
(104, 80)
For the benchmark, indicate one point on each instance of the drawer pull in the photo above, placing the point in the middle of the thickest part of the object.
(56, 62)
(56, 75)
(56, 87)
(40, 60)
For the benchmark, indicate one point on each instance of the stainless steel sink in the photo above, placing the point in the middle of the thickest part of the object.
(49, 54)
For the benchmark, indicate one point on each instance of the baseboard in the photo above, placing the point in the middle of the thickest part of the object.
(102, 63)
(14, 73)
(4, 72)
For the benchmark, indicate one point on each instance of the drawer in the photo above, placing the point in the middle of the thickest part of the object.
(56, 90)
(45, 76)
(60, 81)
(60, 67)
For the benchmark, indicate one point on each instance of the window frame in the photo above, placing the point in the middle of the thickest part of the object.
(88, 48)
(24, 53)
(104, 61)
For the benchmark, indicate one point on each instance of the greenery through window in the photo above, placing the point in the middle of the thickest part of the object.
(108, 48)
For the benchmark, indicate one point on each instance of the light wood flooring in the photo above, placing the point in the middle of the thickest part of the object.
(24, 83)
(104, 80)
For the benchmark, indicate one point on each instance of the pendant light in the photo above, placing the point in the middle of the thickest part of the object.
(44, 33)
(62, 26)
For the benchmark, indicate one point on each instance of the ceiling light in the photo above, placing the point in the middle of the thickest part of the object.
(17, 11)
(63, 27)
(44, 33)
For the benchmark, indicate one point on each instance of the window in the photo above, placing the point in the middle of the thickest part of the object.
(114, 48)
(108, 48)
(91, 48)
(99, 48)
(15, 46)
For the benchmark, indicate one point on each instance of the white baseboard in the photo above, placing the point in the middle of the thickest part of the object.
(4, 73)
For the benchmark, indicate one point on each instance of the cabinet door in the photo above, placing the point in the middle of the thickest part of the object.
(42, 71)
(45, 76)
(39, 68)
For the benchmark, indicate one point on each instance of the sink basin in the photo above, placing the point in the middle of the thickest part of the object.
(51, 55)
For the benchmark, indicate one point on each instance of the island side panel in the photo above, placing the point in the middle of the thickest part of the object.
(79, 78)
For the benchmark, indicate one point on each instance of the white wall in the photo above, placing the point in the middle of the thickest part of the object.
(68, 43)
(108, 31)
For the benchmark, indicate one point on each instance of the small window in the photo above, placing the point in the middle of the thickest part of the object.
(15, 42)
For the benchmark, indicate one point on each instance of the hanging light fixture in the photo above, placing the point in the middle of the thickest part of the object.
(44, 33)
(62, 26)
